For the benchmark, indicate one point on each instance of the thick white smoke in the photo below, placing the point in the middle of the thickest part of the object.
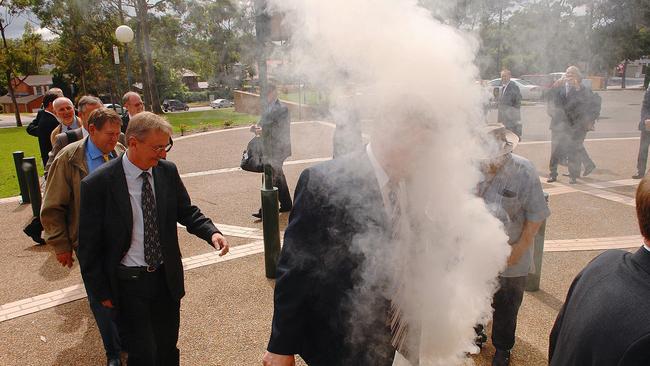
(406, 63)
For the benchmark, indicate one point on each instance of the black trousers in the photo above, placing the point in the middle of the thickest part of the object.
(569, 145)
(642, 160)
(506, 303)
(150, 317)
(280, 181)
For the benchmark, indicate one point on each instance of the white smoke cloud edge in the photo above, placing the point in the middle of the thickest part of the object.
(396, 52)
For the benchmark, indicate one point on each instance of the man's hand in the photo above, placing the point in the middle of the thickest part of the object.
(65, 259)
(107, 303)
(272, 359)
(220, 243)
(517, 250)
(257, 130)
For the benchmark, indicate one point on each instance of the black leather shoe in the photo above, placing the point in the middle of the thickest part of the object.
(638, 176)
(551, 179)
(573, 181)
(285, 209)
(257, 214)
(114, 362)
(501, 358)
(588, 170)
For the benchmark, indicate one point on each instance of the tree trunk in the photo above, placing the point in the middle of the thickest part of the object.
(150, 76)
(8, 76)
(624, 72)
(143, 74)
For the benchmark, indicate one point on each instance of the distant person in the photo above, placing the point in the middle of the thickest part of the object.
(65, 113)
(275, 128)
(45, 122)
(509, 104)
(132, 102)
(573, 109)
(513, 193)
(60, 209)
(644, 127)
(605, 319)
(129, 254)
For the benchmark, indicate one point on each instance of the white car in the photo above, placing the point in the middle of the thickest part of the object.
(220, 103)
(529, 91)
(118, 108)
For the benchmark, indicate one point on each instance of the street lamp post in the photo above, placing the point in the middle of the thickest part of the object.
(124, 34)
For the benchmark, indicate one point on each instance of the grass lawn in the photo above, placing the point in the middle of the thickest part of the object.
(209, 119)
(308, 97)
(15, 139)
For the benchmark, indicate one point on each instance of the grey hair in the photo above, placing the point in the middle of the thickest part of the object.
(127, 96)
(575, 70)
(60, 100)
(87, 100)
(141, 124)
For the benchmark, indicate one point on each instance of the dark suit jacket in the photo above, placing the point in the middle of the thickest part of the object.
(509, 105)
(46, 123)
(571, 112)
(125, 122)
(318, 270)
(276, 132)
(645, 110)
(106, 223)
(605, 320)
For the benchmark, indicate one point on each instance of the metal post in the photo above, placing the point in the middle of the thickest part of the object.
(129, 78)
(22, 183)
(271, 223)
(31, 175)
(532, 283)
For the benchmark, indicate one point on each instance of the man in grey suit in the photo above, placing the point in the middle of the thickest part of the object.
(275, 129)
(644, 127)
(605, 319)
(510, 104)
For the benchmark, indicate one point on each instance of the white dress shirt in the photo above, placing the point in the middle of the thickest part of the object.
(135, 256)
(646, 247)
(382, 180)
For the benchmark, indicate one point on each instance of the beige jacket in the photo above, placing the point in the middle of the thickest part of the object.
(60, 208)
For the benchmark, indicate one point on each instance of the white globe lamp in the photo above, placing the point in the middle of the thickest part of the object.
(124, 34)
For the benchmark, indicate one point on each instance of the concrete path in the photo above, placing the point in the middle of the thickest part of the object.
(226, 314)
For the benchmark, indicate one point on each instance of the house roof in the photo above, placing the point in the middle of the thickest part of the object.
(188, 73)
(6, 99)
(36, 80)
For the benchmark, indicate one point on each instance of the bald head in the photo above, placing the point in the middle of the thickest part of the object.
(133, 103)
(64, 110)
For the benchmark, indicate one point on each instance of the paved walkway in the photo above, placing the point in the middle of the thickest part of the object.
(226, 312)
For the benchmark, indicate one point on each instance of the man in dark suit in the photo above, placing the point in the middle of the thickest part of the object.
(45, 122)
(509, 104)
(644, 127)
(128, 242)
(573, 112)
(605, 319)
(275, 128)
(132, 102)
(321, 311)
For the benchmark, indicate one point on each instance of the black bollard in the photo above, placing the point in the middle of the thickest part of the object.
(532, 282)
(31, 175)
(270, 223)
(20, 174)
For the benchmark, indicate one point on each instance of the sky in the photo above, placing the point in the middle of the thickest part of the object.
(17, 26)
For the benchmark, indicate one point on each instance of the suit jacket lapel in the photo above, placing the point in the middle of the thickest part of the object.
(121, 194)
(161, 194)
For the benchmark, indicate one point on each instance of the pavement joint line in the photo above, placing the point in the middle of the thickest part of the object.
(181, 138)
(237, 169)
(75, 292)
(595, 189)
(587, 140)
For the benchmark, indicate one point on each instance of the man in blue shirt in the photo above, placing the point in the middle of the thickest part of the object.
(60, 210)
(513, 193)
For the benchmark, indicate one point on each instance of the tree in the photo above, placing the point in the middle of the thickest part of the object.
(11, 9)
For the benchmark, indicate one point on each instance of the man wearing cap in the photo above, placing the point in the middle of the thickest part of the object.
(513, 193)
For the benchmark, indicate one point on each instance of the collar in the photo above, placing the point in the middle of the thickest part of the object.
(646, 247)
(642, 258)
(132, 171)
(380, 173)
(93, 150)
(84, 132)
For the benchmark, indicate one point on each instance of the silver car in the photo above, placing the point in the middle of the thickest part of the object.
(529, 91)
(220, 103)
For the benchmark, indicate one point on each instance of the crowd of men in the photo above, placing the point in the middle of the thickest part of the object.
(113, 201)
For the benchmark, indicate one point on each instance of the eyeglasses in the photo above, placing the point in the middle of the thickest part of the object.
(160, 149)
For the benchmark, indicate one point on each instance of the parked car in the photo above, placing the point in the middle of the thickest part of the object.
(118, 108)
(529, 91)
(173, 105)
(221, 103)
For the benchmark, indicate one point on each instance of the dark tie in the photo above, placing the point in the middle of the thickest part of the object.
(152, 253)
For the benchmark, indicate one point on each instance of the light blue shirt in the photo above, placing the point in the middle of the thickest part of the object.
(135, 255)
(73, 126)
(94, 156)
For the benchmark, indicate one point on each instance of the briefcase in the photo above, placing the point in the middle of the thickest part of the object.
(251, 159)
